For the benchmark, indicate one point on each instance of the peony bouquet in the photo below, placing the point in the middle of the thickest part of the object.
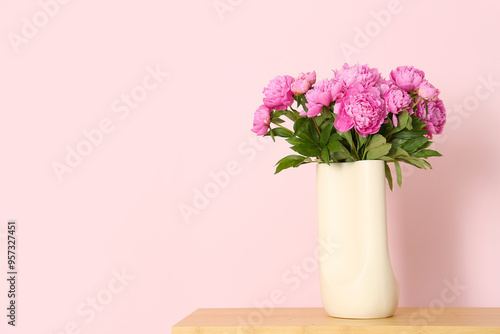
(356, 115)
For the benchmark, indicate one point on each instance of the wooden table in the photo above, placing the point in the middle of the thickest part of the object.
(421, 320)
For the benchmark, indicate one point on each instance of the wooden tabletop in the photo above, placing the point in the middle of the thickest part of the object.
(406, 320)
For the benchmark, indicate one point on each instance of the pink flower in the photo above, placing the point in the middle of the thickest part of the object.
(311, 77)
(322, 94)
(362, 109)
(407, 78)
(435, 117)
(366, 76)
(278, 94)
(396, 100)
(428, 92)
(303, 82)
(420, 111)
(261, 120)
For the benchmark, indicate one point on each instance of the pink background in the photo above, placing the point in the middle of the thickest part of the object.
(118, 209)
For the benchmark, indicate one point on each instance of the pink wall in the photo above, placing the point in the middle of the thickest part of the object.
(118, 208)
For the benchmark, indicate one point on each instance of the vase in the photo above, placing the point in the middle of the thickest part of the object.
(356, 276)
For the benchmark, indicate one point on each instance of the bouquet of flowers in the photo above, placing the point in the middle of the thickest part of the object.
(356, 115)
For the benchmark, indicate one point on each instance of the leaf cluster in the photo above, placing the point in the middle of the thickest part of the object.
(315, 139)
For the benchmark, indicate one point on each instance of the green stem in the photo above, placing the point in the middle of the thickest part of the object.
(301, 102)
(295, 112)
(359, 145)
(316, 125)
(413, 106)
(293, 133)
(356, 151)
(366, 145)
(353, 146)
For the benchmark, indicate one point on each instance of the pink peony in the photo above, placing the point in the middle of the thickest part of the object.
(366, 76)
(278, 94)
(261, 120)
(407, 78)
(362, 109)
(322, 94)
(435, 117)
(420, 111)
(428, 92)
(303, 82)
(396, 100)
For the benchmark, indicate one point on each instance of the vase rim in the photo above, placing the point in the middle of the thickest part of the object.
(351, 162)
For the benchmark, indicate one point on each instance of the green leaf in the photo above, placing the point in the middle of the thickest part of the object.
(426, 154)
(401, 153)
(312, 130)
(325, 156)
(338, 156)
(378, 151)
(292, 157)
(289, 161)
(339, 152)
(409, 134)
(417, 123)
(409, 122)
(413, 161)
(414, 144)
(291, 115)
(402, 122)
(361, 141)
(280, 133)
(296, 141)
(271, 133)
(347, 135)
(309, 150)
(277, 121)
(278, 113)
(299, 123)
(409, 125)
(376, 141)
(325, 134)
(306, 136)
(334, 137)
(388, 175)
(403, 118)
(398, 173)
(427, 163)
(323, 116)
(396, 143)
(301, 101)
(429, 143)
(386, 128)
(336, 146)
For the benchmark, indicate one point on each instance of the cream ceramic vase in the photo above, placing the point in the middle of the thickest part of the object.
(356, 276)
